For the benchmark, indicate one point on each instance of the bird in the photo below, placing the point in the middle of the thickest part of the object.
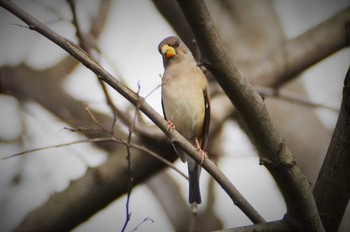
(185, 103)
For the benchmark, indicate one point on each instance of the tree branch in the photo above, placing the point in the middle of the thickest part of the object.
(300, 53)
(274, 154)
(332, 189)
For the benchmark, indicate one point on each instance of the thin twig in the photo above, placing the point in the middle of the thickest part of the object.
(147, 219)
(78, 33)
(120, 140)
(94, 140)
(94, 119)
(83, 42)
(52, 11)
(131, 128)
(56, 146)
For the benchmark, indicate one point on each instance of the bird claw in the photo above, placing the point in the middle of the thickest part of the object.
(201, 152)
(171, 125)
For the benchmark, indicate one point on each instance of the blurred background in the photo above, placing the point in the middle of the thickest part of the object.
(43, 92)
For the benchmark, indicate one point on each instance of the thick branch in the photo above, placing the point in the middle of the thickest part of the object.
(332, 189)
(137, 101)
(302, 52)
(274, 154)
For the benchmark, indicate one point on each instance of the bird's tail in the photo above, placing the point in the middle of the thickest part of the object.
(194, 171)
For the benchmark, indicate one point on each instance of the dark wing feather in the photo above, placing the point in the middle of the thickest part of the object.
(206, 119)
(164, 110)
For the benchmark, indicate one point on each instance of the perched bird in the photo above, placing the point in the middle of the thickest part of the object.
(185, 103)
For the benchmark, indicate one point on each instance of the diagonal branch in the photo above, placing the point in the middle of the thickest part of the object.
(273, 152)
(300, 53)
(332, 189)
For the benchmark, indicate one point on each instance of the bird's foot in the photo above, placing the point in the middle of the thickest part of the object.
(171, 125)
(201, 152)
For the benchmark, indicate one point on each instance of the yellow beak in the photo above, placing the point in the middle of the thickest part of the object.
(168, 51)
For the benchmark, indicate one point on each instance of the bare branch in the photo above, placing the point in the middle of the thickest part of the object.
(94, 140)
(147, 219)
(54, 146)
(332, 189)
(300, 53)
(85, 44)
(128, 158)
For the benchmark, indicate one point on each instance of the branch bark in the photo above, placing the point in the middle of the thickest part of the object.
(332, 189)
(274, 154)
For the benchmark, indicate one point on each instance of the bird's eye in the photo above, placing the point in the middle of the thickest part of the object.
(176, 44)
